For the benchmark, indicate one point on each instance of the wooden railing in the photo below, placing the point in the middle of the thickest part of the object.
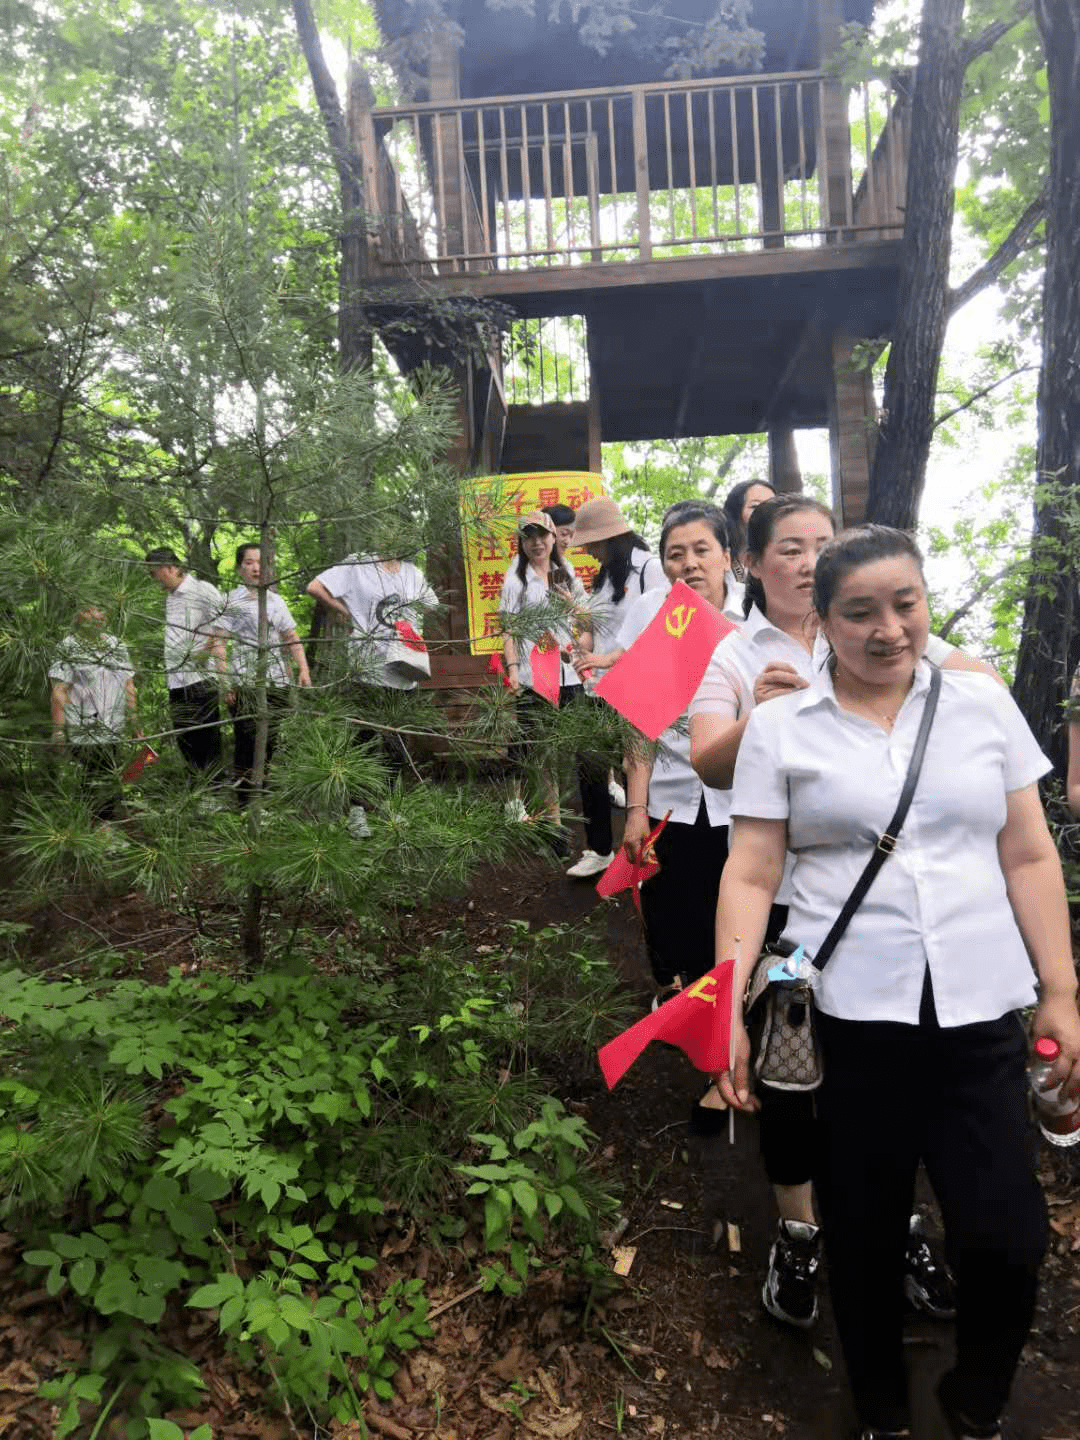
(881, 192)
(639, 173)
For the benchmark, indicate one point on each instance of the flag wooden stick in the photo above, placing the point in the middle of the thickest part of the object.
(731, 1048)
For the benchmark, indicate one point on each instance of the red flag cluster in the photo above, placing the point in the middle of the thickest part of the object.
(658, 676)
(546, 665)
(698, 1020)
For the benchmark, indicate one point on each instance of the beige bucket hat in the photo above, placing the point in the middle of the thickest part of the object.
(599, 520)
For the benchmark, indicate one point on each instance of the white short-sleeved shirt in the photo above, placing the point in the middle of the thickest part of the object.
(377, 599)
(674, 784)
(646, 573)
(517, 596)
(727, 687)
(96, 670)
(190, 613)
(240, 621)
(940, 898)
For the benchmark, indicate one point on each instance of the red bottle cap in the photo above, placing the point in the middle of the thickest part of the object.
(1047, 1049)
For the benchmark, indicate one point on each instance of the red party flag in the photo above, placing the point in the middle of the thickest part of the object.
(626, 874)
(697, 1020)
(495, 665)
(409, 636)
(146, 756)
(654, 682)
(546, 665)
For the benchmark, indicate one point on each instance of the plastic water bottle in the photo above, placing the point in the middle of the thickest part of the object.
(1059, 1120)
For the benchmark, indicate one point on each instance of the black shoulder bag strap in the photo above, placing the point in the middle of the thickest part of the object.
(887, 844)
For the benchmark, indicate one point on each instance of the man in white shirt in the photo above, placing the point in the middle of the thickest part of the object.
(191, 609)
(240, 624)
(372, 595)
(93, 705)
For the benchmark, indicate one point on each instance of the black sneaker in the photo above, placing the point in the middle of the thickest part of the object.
(790, 1289)
(869, 1432)
(928, 1281)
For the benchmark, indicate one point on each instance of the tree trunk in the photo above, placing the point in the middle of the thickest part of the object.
(354, 334)
(896, 482)
(1051, 644)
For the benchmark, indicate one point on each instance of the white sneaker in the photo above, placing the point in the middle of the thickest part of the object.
(515, 811)
(590, 864)
(357, 823)
(617, 793)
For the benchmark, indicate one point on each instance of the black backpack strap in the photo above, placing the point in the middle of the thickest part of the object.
(887, 843)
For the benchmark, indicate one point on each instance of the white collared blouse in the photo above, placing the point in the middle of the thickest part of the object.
(674, 784)
(940, 899)
(532, 593)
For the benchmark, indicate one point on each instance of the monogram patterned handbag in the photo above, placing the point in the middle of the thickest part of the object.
(780, 1012)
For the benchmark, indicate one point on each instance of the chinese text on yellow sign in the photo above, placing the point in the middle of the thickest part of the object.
(491, 506)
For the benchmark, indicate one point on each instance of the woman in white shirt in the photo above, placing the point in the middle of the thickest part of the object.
(739, 504)
(535, 578)
(777, 651)
(924, 1057)
(679, 905)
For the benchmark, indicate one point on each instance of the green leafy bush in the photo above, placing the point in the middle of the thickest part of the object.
(235, 1144)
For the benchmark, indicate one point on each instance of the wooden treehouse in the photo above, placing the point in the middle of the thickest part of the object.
(719, 245)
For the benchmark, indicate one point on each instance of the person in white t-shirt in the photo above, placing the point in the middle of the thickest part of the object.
(924, 1056)
(280, 650)
(536, 577)
(777, 651)
(679, 905)
(193, 653)
(627, 570)
(373, 595)
(93, 706)
(739, 504)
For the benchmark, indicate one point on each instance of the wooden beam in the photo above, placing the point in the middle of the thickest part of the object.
(580, 279)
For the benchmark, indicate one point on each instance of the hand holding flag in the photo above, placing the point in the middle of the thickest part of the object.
(626, 874)
(698, 1020)
(659, 675)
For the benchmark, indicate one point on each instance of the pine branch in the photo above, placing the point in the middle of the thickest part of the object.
(988, 38)
(981, 394)
(1010, 249)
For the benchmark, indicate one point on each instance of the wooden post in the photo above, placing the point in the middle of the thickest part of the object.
(444, 83)
(360, 103)
(834, 139)
(852, 431)
(784, 473)
(641, 175)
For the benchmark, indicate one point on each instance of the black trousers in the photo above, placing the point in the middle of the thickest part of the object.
(196, 718)
(895, 1095)
(378, 700)
(592, 773)
(99, 767)
(678, 906)
(245, 722)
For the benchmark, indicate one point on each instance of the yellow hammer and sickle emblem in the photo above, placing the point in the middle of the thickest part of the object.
(704, 989)
(679, 619)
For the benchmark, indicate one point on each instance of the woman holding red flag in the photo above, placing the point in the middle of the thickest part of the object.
(678, 905)
(923, 1057)
(778, 651)
(539, 580)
